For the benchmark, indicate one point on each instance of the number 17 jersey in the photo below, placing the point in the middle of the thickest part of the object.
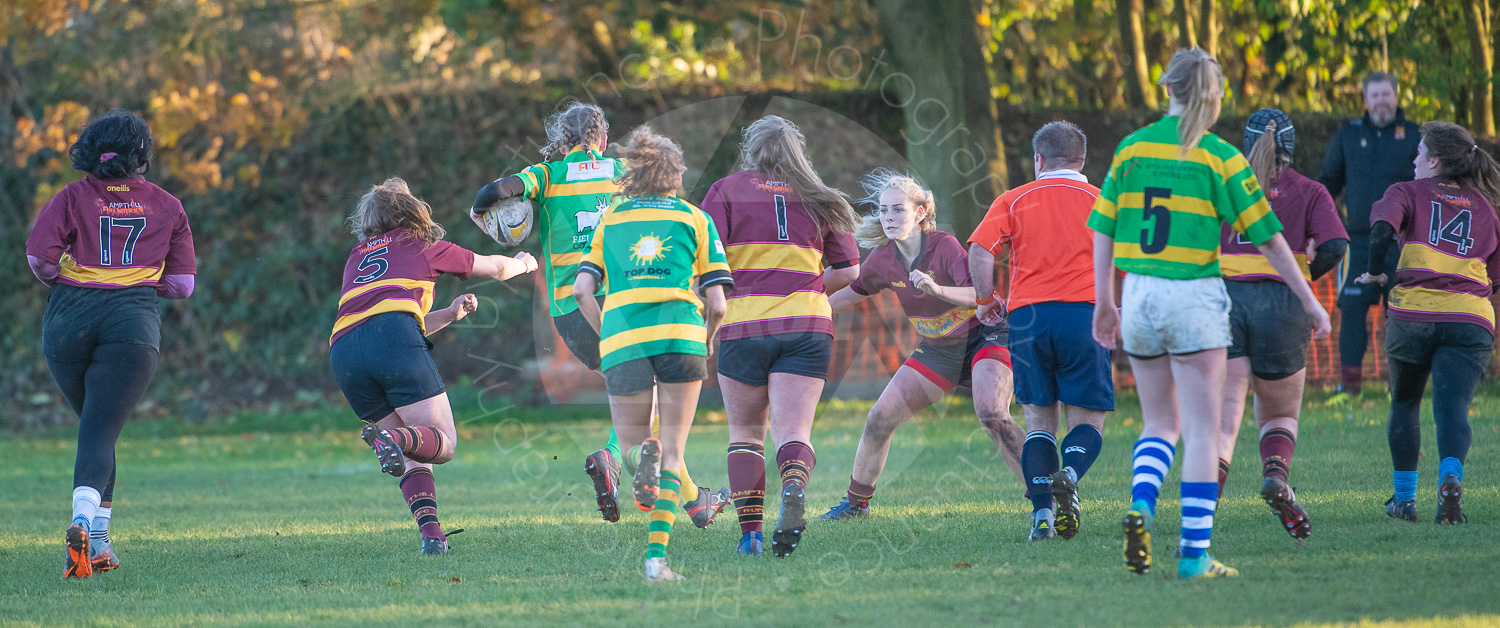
(113, 234)
(1164, 212)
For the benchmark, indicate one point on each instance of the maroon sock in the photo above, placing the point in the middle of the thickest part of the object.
(1276, 447)
(1353, 377)
(421, 496)
(860, 494)
(421, 444)
(1223, 476)
(796, 461)
(747, 484)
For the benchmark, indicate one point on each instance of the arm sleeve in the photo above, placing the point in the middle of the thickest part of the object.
(995, 228)
(534, 181)
(498, 190)
(711, 268)
(52, 233)
(181, 257)
(1382, 238)
(840, 250)
(1332, 176)
(1330, 253)
(447, 257)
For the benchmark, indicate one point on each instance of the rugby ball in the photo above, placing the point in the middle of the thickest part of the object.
(509, 221)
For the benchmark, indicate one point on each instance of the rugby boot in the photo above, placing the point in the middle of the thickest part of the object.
(77, 545)
(846, 510)
(1204, 566)
(708, 505)
(1403, 510)
(102, 556)
(604, 471)
(1065, 496)
(392, 460)
(1137, 525)
(1283, 501)
(1450, 509)
(657, 571)
(751, 544)
(792, 522)
(1042, 526)
(647, 479)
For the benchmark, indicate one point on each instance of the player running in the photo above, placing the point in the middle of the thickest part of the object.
(109, 246)
(380, 353)
(789, 242)
(1441, 322)
(1267, 324)
(572, 193)
(650, 252)
(929, 272)
(1058, 364)
(1157, 217)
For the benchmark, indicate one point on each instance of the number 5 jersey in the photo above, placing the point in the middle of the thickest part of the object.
(113, 234)
(1450, 251)
(395, 272)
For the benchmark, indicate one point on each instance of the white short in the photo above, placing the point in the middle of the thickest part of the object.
(1160, 316)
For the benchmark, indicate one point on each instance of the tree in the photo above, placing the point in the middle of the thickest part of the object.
(1477, 17)
(1208, 27)
(952, 128)
(1138, 88)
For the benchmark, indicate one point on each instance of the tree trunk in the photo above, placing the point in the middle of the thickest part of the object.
(1139, 91)
(943, 88)
(1481, 62)
(1187, 36)
(1208, 27)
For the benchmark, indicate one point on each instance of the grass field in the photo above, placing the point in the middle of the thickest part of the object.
(296, 526)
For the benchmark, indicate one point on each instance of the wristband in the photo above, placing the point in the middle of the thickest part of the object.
(985, 301)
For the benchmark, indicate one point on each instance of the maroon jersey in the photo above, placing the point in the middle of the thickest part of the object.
(394, 272)
(1306, 212)
(946, 261)
(777, 255)
(113, 234)
(1450, 251)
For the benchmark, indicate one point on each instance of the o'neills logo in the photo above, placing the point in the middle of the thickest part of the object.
(376, 243)
(128, 208)
(118, 188)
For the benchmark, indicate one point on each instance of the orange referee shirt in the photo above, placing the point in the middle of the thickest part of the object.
(1051, 247)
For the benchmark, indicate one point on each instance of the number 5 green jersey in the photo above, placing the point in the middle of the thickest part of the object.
(572, 194)
(1164, 213)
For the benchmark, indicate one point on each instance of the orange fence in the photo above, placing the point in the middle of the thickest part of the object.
(875, 338)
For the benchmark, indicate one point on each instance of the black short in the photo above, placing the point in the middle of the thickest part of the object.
(79, 319)
(950, 365)
(1415, 342)
(1268, 325)
(640, 374)
(751, 361)
(384, 363)
(579, 336)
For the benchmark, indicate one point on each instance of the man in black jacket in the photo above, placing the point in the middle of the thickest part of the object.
(1366, 156)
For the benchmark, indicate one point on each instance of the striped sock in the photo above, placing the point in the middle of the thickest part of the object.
(420, 491)
(747, 484)
(860, 493)
(421, 443)
(1276, 447)
(99, 528)
(1153, 457)
(659, 531)
(1198, 503)
(796, 461)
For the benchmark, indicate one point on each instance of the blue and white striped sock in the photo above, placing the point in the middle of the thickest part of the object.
(1199, 499)
(1153, 457)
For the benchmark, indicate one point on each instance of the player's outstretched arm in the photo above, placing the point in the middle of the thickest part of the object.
(845, 298)
(501, 267)
(584, 288)
(962, 296)
(1280, 256)
(460, 308)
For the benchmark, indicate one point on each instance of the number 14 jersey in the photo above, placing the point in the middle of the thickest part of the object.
(1164, 212)
(1450, 251)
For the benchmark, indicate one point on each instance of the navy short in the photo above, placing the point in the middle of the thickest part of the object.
(384, 363)
(751, 361)
(641, 374)
(950, 365)
(1055, 357)
(79, 319)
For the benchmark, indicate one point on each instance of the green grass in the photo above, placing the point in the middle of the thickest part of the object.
(299, 528)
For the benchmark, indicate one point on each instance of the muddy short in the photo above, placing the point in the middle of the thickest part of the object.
(1159, 316)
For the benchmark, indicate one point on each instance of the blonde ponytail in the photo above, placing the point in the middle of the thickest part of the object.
(1198, 85)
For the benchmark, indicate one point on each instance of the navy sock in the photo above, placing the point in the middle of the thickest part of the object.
(1080, 448)
(1039, 462)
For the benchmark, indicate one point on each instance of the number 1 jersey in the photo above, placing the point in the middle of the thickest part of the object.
(396, 272)
(1450, 251)
(112, 234)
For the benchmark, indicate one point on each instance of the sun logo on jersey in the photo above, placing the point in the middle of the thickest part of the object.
(649, 249)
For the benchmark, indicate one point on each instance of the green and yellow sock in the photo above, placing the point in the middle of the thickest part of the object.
(613, 446)
(660, 529)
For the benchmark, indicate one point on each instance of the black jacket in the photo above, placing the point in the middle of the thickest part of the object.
(1362, 161)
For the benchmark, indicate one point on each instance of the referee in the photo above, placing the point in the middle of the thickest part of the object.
(1366, 156)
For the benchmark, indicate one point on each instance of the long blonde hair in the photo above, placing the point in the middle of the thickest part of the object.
(1198, 85)
(389, 206)
(774, 146)
(581, 124)
(870, 234)
(653, 164)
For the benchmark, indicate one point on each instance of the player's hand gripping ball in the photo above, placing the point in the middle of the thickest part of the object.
(509, 221)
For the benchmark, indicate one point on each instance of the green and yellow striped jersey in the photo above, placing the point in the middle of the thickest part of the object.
(1164, 213)
(572, 194)
(647, 252)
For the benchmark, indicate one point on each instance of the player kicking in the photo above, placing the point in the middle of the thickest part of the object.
(109, 246)
(780, 225)
(929, 272)
(1268, 327)
(572, 192)
(1058, 365)
(650, 252)
(1170, 186)
(1441, 322)
(380, 353)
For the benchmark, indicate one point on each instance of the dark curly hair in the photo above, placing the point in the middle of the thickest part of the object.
(116, 145)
